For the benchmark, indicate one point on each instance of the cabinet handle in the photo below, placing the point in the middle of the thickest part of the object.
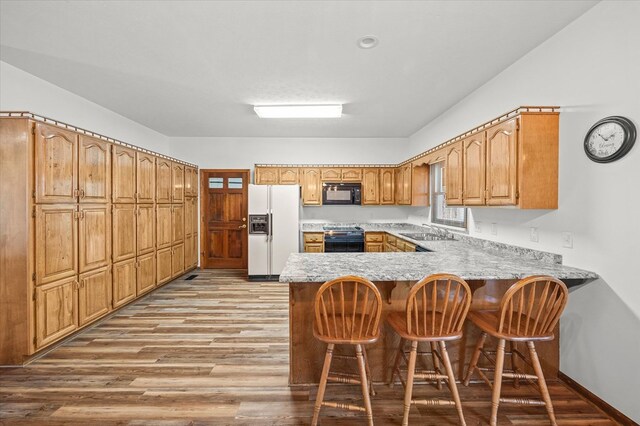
(82, 193)
(75, 193)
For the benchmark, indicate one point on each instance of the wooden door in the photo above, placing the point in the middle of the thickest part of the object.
(474, 161)
(177, 223)
(124, 175)
(146, 267)
(145, 177)
(332, 175)
(266, 175)
(177, 183)
(224, 213)
(371, 186)
(163, 180)
(351, 175)
(288, 176)
(387, 186)
(94, 170)
(177, 260)
(94, 237)
(146, 229)
(502, 164)
(124, 231)
(56, 243)
(163, 228)
(94, 295)
(56, 165)
(311, 188)
(163, 265)
(56, 310)
(453, 178)
(124, 282)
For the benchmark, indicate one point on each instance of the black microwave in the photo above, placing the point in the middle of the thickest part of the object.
(341, 193)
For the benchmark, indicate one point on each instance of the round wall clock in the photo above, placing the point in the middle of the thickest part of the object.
(610, 139)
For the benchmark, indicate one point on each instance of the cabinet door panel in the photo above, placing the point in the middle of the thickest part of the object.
(177, 182)
(146, 229)
(453, 179)
(473, 183)
(387, 186)
(145, 178)
(163, 229)
(56, 243)
(266, 176)
(502, 163)
(56, 311)
(177, 260)
(288, 176)
(311, 188)
(406, 184)
(124, 231)
(56, 165)
(371, 187)
(94, 295)
(332, 175)
(124, 282)
(188, 251)
(163, 181)
(94, 170)
(124, 175)
(189, 205)
(177, 223)
(146, 273)
(351, 175)
(94, 237)
(163, 268)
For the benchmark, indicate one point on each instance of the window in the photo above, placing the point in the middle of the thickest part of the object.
(216, 183)
(235, 183)
(440, 213)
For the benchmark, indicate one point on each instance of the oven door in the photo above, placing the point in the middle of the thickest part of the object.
(341, 244)
(337, 194)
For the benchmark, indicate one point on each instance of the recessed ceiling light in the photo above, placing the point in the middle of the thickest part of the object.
(298, 111)
(368, 42)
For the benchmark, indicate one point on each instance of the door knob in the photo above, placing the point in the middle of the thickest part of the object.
(242, 226)
(244, 219)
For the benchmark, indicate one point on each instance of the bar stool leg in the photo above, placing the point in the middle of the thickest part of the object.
(475, 357)
(436, 363)
(541, 382)
(396, 363)
(366, 364)
(497, 383)
(514, 363)
(323, 383)
(409, 389)
(452, 381)
(363, 382)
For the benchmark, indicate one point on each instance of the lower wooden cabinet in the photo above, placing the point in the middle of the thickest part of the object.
(374, 247)
(188, 251)
(314, 247)
(163, 268)
(124, 282)
(177, 260)
(146, 273)
(374, 241)
(313, 242)
(56, 309)
(94, 295)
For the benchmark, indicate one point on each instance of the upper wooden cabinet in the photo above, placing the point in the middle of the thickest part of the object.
(145, 177)
(453, 174)
(474, 160)
(163, 181)
(124, 175)
(190, 182)
(351, 175)
(94, 170)
(311, 187)
(56, 242)
(502, 171)
(266, 175)
(371, 186)
(387, 186)
(403, 185)
(177, 183)
(56, 165)
(94, 295)
(288, 176)
(94, 237)
(124, 231)
(331, 174)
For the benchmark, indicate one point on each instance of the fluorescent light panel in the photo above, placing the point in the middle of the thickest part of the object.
(298, 111)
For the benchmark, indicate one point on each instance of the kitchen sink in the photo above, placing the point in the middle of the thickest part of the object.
(425, 236)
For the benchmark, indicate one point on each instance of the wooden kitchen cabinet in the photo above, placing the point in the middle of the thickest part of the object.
(313, 242)
(124, 175)
(314, 248)
(177, 260)
(387, 186)
(266, 175)
(189, 207)
(164, 235)
(351, 175)
(190, 181)
(94, 170)
(56, 242)
(371, 186)
(177, 183)
(188, 251)
(331, 174)
(163, 180)
(474, 161)
(403, 185)
(56, 164)
(288, 176)
(146, 273)
(124, 282)
(145, 178)
(56, 311)
(94, 295)
(374, 241)
(94, 237)
(453, 174)
(163, 265)
(124, 231)
(502, 164)
(311, 187)
(177, 223)
(145, 228)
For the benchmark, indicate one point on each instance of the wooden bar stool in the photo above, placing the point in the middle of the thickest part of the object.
(529, 311)
(435, 312)
(347, 312)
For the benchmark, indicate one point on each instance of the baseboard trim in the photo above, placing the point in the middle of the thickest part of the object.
(596, 400)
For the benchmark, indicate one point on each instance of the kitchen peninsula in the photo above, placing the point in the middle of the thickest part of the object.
(489, 268)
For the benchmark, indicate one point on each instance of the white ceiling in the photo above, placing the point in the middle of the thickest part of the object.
(194, 68)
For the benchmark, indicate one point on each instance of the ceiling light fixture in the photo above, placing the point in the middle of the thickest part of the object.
(298, 111)
(368, 42)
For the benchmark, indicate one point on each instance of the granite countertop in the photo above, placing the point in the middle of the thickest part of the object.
(467, 257)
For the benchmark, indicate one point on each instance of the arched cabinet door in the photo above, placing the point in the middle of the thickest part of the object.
(453, 170)
(387, 186)
(311, 188)
(56, 165)
(94, 170)
(145, 178)
(124, 175)
(163, 181)
(502, 164)
(474, 160)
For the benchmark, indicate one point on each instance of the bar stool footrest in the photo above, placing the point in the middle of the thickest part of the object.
(433, 402)
(431, 375)
(522, 401)
(353, 379)
(520, 376)
(343, 405)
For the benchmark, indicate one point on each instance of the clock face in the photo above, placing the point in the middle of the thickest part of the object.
(606, 139)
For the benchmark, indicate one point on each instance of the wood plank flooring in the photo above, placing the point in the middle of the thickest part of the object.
(214, 350)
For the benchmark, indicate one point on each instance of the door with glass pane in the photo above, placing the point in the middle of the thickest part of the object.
(224, 218)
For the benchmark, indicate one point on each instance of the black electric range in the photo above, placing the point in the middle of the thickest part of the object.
(343, 239)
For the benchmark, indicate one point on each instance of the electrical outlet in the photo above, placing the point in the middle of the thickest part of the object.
(479, 227)
(567, 239)
(494, 229)
(533, 236)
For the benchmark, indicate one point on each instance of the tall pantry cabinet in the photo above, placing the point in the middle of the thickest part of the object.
(79, 219)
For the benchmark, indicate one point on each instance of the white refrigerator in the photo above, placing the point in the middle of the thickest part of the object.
(273, 228)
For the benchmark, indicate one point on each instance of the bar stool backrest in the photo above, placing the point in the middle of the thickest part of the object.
(532, 306)
(437, 305)
(348, 308)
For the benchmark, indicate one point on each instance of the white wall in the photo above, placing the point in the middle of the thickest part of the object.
(592, 69)
(21, 91)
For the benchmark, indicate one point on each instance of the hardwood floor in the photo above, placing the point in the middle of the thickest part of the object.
(214, 350)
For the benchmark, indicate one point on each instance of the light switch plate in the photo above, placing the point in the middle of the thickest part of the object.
(494, 229)
(567, 240)
(533, 236)
(479, 227)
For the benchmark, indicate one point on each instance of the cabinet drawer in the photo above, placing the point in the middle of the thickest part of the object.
(391, 240)
(374, 247)
(314, 248)
(409, 246)
(313, 237)
(374, 237)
